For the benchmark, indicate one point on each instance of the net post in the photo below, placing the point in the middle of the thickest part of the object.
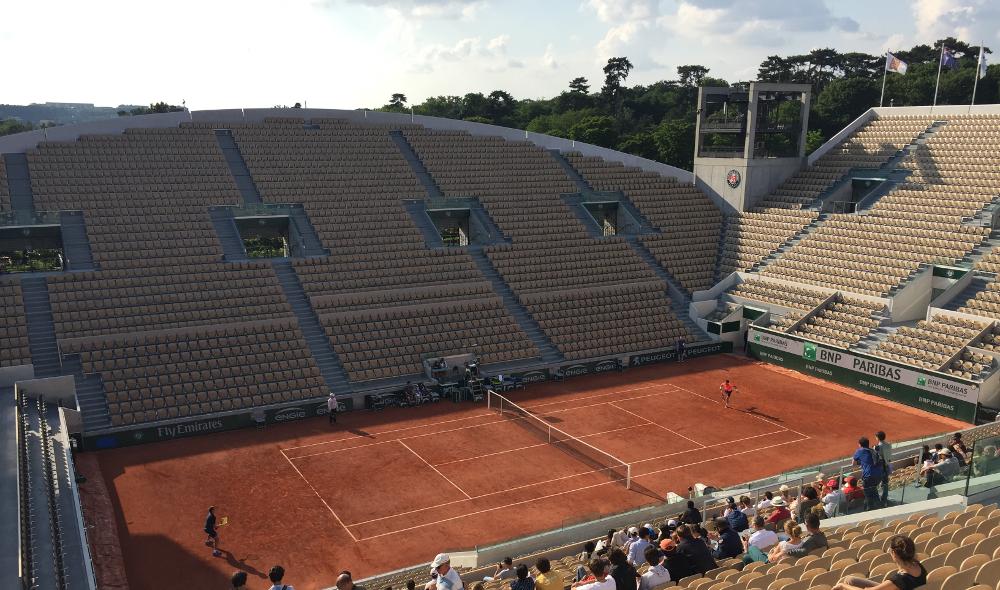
(628, 476)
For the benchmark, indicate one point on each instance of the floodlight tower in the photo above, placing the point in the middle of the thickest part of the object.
(748, 141)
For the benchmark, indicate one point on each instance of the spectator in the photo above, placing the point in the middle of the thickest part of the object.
(652, 533)
(447, 577)
(871, 472)
(667, 529)
(737, 520)
(985, 462)
(937, 451)
(674, 561)
(691, 515)
(633, 535)
(275, 575)
(545, 579)
(505, 569)
(942, 471)
(602, 546)
(780, 512)
(786, 493)
(622, 571)
(761, 538)
(808, 500)
(911, 573)
(816, 539)
(523, 580)
(620, 538)
(852, 491)
(239, 580)
(925, 455)
(346, 582)
(794, 542)
(730, 544)
(598, 578)
(747, 507)
(636, 551)
(884, 451)
(411, 585)
(958, 449)
(766, 502)
(832, 497)
(657, 574)
(585, 556)
(697, 554)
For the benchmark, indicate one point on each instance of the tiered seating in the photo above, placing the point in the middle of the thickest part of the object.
(13, 325)
(619, 319)
(872, 145)
(393, 341)
(990, 262)
(135, 300)
(4, 190)
(186, 372)
(689, 220)
(843, 322)
(991, 340)
(930, 344)
(520, 185)
(971, 365)
(784, 295)
(721, 311)
(751, 236)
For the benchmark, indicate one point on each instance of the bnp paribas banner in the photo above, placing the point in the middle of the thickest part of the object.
(955, 398)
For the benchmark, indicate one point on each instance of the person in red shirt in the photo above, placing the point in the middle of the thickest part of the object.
(780, 513)
(727, 388)
(852, 491)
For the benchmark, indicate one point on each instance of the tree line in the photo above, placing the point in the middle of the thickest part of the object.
(657, 120)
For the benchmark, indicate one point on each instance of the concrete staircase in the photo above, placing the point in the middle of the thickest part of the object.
(238, 166)
(19, 183)
(418, 213)
(42, 519)
(89, 395)
(411, 157)
(549, 352)
(876, 335)
(76, 245)
(581, 183)
(229, 235)
(319, 344)
(41, 330)
(678, 295)
(976, 286)
(310, 242)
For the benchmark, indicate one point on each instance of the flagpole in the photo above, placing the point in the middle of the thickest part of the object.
(938, 83)
(979, 69)
(885, 74)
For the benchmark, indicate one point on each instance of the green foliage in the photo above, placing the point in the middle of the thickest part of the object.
(690, 76)
(814, 139)
(675, 142)
(11, 126)
(842, 101)
(598, 130)
(262, 247)
(42, 260)
(156, 107)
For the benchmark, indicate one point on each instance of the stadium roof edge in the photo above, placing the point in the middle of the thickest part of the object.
(22, 142)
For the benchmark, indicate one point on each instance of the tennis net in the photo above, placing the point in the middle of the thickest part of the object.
(590, 455)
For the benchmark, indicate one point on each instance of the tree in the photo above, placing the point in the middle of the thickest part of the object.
(691, 76)
(640, 144)
(398, 100)
(774, 69)
(579, 85)
(842, 101)
(11, 126)
(598, 130)
(615, 73)
(675, 143)
(500, 107)
(158, 107)
(814, 139)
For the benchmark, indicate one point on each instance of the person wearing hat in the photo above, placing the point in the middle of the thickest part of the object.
(447, 577)
(637, 550)
(780, 512)
(673, 561)
(657, 574)
(832, 497)
(946, 467)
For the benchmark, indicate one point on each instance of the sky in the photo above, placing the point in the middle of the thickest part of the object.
(356, 53)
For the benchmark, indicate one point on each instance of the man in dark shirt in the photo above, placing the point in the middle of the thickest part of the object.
(622, 571)
(730, 544)
(674, 561)
(213, 535)
(691, 515)
(737, 519)
(695, 552)
(815, 540)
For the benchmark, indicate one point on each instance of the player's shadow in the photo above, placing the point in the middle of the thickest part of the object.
(241, 564)
(359, 432)
(753, 411)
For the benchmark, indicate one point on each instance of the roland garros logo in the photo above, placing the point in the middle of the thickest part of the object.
(733, 178)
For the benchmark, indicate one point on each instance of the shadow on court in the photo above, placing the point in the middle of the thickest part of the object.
(753, 411)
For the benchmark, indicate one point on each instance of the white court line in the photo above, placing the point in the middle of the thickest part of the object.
(597, 395)
(435, 470)
(529, 446)
(761, 418)
(311, 487)
(700, 446)
(485, 510)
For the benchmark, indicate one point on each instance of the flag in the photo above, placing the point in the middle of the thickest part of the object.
(948, 59)
(894, 64)
(982, 62)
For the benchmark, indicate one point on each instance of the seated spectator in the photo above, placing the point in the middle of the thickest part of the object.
(737, 519)
(598, 578)
(815, 539)
(832, 498)
(761, 538)
(447, 578)
(852, 491)
(637, 550)
(620, 538)
(633, 536)
(523, 581)
(674, 561)
(794, 542)
(604, 545)
(652, 532)
(937, 451)
(779, 512)
(697, 554)
(623, 571)
(729, 543)
(547, 580)
(239, 580)
(346, 582)
(909, 575)
(657, 574)
(786, 494)
(275, 575)
(505, 569)
(985, 462)
(958, 449)
(766, 502)
(942, 471)
(588, 552)
(667, 529)
(747, 507)
(691, 515)
(808, 499)
(925, 454)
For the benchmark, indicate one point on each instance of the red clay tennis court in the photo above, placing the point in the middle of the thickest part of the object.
(385, 490)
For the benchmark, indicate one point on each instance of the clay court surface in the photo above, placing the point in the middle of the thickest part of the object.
(384, 490)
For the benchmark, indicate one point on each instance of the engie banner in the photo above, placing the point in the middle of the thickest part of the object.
(955, 398)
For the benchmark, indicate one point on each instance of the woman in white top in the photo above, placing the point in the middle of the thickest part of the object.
(794, 541)
(832, 497)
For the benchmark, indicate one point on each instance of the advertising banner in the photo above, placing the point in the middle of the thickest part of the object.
(670, 354)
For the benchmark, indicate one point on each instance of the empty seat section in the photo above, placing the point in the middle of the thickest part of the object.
(790, 296)
(841, 322)
(167, 374)
(932, 344)
(751, 236)
(13, 325)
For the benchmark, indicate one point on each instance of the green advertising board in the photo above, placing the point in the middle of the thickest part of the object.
(952, 397)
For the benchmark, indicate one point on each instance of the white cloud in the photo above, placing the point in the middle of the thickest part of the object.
(616, 11)
(966, 20)
(498, 44)
(753, 22)
(433, 9)
(549, 58)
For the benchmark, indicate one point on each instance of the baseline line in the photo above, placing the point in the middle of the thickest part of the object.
(613, 405)
(597, 395)
(313, 488)
(435, 469)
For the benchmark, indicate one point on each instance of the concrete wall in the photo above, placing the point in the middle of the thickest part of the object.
(910, 303)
